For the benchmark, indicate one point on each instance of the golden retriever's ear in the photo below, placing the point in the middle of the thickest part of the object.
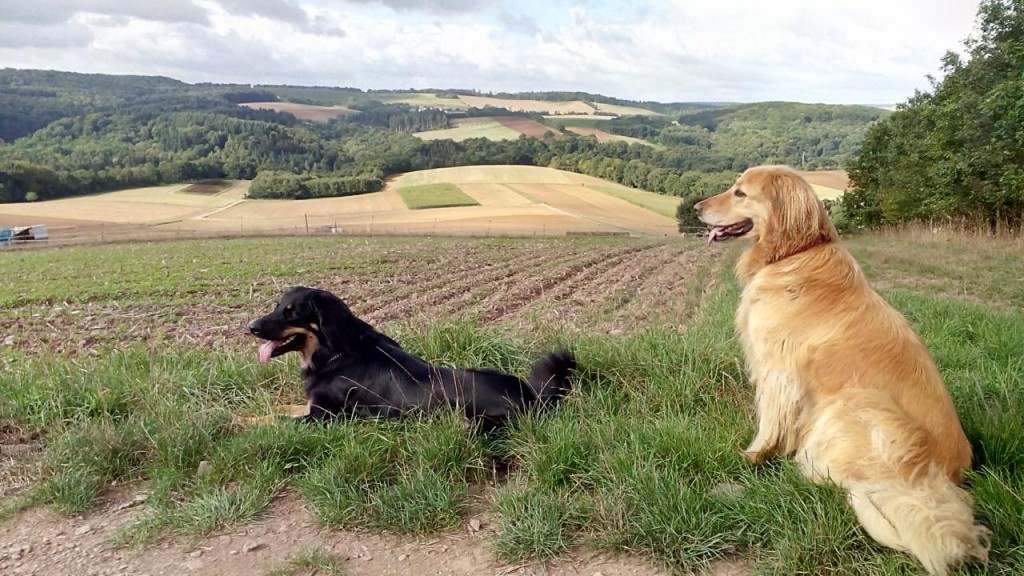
(797, 220)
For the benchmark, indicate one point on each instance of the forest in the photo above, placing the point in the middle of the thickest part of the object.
(956, 151)
(67, 134)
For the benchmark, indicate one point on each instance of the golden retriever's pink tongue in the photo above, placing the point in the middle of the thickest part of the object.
(714, 234)
(266, 349)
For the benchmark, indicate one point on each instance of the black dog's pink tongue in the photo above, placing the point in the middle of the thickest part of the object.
(266, 350)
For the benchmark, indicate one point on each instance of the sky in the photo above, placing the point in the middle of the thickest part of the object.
(832, 51)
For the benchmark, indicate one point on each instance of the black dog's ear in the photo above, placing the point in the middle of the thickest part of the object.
(331, 315)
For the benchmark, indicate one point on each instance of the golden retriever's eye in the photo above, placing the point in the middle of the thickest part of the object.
(740, 194)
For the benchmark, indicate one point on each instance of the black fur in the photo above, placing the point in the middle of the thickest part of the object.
(352, 370)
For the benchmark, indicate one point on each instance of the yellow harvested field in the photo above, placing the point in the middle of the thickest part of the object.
(253, 211)
(826, 193)
(514, 200)
(136, 206)
(836, 179)
(491, 175)
(429, 100)
(579, 116)
(494, 195)
(619, 110)
(590, 203)
(538, 106)
(303, 111)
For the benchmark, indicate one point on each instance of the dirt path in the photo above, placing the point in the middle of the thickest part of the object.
(39, 542)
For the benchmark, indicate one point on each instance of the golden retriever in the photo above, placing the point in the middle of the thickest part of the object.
(843, 384)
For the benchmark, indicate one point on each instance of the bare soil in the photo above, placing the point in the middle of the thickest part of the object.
(38, 542)
(524, 126)
(616, 286)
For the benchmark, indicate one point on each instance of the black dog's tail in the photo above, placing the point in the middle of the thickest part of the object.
(550, 376)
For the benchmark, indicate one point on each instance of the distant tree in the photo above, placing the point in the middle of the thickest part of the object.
(686, 215)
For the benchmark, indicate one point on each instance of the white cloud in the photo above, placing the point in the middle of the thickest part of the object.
(869, 51)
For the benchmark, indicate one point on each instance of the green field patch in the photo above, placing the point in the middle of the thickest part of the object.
(435, 196)
(466, 128)
(659, 203)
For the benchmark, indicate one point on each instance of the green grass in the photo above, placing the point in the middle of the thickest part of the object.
(170, 272)
(313, 561)
(642, 458)
(434, 196)
(467, 128)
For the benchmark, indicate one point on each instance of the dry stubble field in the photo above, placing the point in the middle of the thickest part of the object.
(565, 203)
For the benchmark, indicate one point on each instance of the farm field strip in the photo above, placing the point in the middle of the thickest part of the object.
(471, 274)
(384, 287)
(539, 106)
(466, 128)
(621, 110)
(603, 136)
(303, 111)
(495, 195)
(525, 126)
(557, 283)
(494, 300)
(599, 207)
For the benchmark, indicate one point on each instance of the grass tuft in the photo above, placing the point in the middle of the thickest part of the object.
(312, 561)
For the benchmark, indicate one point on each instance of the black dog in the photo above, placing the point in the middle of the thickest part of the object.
(351, 369)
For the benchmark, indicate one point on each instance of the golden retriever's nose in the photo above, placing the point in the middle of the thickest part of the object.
(699, 207)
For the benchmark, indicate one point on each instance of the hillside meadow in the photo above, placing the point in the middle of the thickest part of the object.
(143, 384)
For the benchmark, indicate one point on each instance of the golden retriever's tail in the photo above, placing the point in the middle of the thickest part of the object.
(932, 519)
(888, 467)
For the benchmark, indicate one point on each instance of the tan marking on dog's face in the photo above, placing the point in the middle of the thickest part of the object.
(312, 343)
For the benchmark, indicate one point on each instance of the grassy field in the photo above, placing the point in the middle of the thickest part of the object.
(152, 364)
(304, 111)
(434, 196)
(466, 128)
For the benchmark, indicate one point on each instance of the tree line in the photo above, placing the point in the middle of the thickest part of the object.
(93, 133)
(955, 151)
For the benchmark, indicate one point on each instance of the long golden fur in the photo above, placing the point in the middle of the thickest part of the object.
(843, 384)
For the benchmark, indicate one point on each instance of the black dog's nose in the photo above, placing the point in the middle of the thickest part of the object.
(254, 326)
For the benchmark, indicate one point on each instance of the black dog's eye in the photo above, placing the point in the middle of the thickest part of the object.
(289, 310)
(740, 194)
